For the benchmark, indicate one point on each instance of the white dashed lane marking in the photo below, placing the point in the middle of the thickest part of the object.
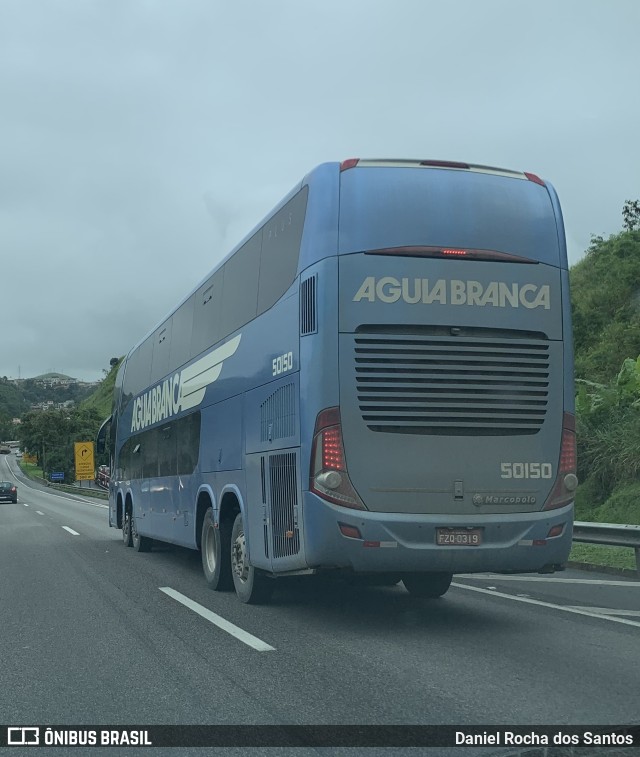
(217, 620)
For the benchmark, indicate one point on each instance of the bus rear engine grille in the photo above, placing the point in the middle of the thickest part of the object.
(452, 385)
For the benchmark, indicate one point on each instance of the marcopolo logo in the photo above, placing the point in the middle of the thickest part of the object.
(453, 292)
(182, 391)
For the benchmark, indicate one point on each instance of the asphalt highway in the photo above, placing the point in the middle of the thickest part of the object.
(94, 633)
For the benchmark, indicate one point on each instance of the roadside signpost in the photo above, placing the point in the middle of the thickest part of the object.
(85, 468)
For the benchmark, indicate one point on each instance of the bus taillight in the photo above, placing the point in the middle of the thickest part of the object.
(349, 163)
(566, 480)
(534, 178)
(328, 475)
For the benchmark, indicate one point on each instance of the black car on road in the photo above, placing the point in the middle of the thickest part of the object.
(8, 491)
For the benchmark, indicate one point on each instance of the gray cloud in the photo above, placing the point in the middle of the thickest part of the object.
(140, 141)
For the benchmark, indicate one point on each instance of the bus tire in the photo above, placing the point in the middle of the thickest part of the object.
(140, 543)
(427, 585)
(126, 528)
(215, 551)
(252, 586)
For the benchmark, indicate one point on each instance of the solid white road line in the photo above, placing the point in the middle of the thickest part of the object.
(547, 604)
(223, 624)
(25, 504)
(549, 579)
(608, 611)
(39, 513)
(85, 502)
(71, 531)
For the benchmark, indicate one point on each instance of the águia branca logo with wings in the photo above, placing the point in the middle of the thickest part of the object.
(182, 391)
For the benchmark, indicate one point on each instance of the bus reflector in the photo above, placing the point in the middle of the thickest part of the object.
(352, 532)
(539, 542)
(371, 544)
(349, 163)
(555, 531)
(566, 480)
(328, 477)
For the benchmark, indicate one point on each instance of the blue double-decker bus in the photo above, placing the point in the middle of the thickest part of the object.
(378, 380)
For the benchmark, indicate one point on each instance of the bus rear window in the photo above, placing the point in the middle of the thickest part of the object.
(390, 207)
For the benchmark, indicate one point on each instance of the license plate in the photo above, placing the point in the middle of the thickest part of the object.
(459, 537)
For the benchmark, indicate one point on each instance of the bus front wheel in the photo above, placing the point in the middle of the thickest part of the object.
(427, 585)
(215, 550)
(252, 587)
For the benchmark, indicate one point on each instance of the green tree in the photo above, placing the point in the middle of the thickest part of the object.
(631, 215)
(51, 434)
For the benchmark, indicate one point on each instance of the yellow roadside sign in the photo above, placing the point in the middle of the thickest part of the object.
(85, 468)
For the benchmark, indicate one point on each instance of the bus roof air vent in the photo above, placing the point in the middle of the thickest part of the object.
(444, 164)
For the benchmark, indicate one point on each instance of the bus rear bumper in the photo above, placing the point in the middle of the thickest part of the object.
(513, 542)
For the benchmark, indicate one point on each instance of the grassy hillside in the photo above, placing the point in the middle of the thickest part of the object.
(12, 402)
(102, 398)
(605, 300)
(606, 314)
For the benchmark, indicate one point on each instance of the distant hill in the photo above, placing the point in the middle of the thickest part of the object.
(49, 376)
(17, 397)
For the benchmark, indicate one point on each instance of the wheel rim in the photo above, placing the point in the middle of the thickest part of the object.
(239, 558)
(210, 554)
(132, 526)
(126, 528)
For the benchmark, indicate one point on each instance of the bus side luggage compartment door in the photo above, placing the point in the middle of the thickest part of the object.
(274, 476)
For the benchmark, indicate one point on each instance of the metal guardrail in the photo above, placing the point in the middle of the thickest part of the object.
(610, 534)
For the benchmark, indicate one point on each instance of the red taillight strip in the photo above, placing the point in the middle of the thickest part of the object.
(424, 251)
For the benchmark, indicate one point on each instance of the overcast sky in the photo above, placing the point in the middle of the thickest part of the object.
(141, 139)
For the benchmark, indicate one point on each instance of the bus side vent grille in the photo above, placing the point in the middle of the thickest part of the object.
(278, 414)
(283, 488)
(308, 320)
(456, 385)
(262, 481)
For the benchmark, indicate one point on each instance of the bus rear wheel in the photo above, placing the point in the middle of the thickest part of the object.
(252, 586)
(215, 550)
(126, 528)
(427, 585)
